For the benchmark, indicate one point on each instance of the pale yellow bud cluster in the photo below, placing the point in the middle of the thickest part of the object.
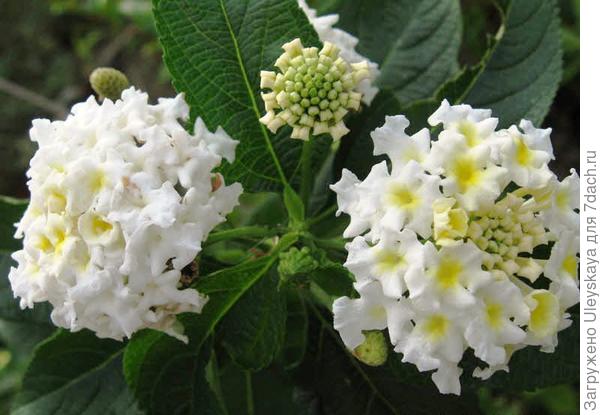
(313, 92)
(508, 232)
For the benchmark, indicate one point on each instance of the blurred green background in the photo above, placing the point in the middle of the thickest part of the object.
(48, 49)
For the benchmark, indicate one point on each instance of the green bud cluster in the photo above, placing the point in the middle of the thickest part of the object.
(374, 350)
(509, 229)
(313, 92)
(108, 82)
(296, 262)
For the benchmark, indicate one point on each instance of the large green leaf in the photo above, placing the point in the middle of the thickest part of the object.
(416, 43)
(524, 71)
(254, 329)
(75, 373)
(518, 75)
(296, 327)
(517, 78)
(11, 211)
(159, 367)
(215, 50)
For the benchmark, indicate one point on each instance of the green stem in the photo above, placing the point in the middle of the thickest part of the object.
(212, 376)
(331, 243)
(306, 165)
(323, 215)
(249, 394)
(243, 232)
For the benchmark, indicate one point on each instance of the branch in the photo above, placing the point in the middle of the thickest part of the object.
(32, 98)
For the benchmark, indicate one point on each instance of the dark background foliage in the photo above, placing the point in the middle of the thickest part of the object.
(48, 49)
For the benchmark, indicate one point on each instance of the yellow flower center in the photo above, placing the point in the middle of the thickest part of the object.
(494, 315)
(57, 201)
(544, 317)
(100, 226)
(59, 237)
(448, 273)
(44, 244)
(402, 197)
(97, 180)
(436, 327)
(569, 265)
(469, 131)
(523, 154)
(54, 242)
(458, 221)
(388, 260)
(378, 312)
(465, 172)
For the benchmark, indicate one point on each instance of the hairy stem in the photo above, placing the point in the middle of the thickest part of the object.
(307, 179)
(242, 232)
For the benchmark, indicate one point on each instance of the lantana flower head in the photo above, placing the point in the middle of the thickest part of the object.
(312, 92)
(121, 198)
(447, 239)
(324, 26)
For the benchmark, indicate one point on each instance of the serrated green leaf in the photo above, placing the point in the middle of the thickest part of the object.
(158, 366)
(254, 329)
(11, 211)
(215, 50)
(520, 72)
(524, 71)
(75, 373)
(416, 43)
(517, 78)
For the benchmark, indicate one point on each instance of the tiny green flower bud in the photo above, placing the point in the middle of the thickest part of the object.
(108, 82)
(374, 350)
(319, 87)
(296, 263)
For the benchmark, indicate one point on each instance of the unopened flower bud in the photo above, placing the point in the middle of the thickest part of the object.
(108, 82)
(313, 91)
(374, 350)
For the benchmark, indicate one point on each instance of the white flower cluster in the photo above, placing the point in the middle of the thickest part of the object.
(121, 198)
(323, 25)
(443, 248)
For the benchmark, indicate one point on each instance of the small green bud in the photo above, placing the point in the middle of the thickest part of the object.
(374, 350)
(108, 82)
(295, 263)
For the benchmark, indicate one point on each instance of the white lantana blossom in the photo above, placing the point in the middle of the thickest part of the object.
(122, 197)
(323, 25)
(445, 240)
